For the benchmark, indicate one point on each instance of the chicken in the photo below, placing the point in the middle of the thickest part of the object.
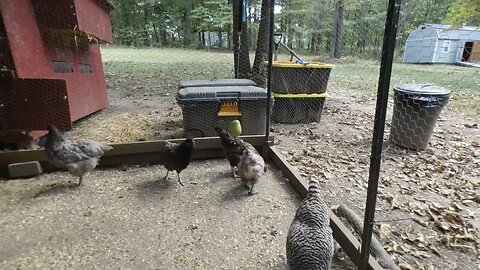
(233, 148)
(310, 242)
(176, 157)
(250, 168)
(78, 156)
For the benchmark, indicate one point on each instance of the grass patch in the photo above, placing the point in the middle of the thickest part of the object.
(464, 82)
(173, 65)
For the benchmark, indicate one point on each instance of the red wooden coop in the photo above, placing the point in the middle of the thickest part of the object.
(51, 70)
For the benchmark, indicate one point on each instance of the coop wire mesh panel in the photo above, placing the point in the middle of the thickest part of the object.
(50, 66)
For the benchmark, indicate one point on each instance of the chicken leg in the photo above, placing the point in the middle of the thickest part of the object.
(234, 173)
(180, 181)
(80, 181)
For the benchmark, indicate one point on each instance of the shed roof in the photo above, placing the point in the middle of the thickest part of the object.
(453, 32)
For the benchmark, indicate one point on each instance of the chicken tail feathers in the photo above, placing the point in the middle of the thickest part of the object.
(53, 134)
(314, 187)
(106, 147)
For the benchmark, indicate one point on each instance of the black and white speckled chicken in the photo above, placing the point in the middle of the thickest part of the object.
(78, 156)
(250, 168)
(310, 244)
(176, 157)
(233, 148)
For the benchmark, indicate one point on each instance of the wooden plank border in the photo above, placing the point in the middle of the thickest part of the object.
(344, 237)
(130, 153)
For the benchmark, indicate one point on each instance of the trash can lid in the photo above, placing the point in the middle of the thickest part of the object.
(427, 89)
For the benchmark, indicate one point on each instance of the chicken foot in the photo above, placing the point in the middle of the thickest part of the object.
(80, 181)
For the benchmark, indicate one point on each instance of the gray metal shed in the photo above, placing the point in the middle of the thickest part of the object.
(437, 43)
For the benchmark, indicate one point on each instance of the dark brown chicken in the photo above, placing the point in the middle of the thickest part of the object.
(176, 157)
(233, 148)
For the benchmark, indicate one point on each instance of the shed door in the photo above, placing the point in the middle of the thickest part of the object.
(475, 55)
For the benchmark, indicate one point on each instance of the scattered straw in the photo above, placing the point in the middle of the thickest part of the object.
(129, 127)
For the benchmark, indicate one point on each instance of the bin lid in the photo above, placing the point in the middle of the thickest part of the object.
(219, 93)
(223, 82)
(288, 64)
(422, 89)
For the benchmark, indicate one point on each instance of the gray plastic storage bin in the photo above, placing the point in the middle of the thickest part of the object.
(415, 113)
(224, 82)
(207, 107)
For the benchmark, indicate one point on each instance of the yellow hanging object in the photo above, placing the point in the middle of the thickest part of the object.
(229, 109)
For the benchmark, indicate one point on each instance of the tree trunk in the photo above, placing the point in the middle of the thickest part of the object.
(155, 34)
(250, 15)
(263, 41)
(338, 30)
(220, 38)
(289, 33)
(311, 44)
(240, 42)
(164, 38)
(229, 38)
(146, 40)
(187, 16)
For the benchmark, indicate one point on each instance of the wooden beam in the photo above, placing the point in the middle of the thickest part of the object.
(344, 237)
(129, 153)
(288, 170)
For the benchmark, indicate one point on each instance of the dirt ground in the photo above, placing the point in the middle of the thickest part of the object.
(131, 219)
(428, 203)
(427, 210)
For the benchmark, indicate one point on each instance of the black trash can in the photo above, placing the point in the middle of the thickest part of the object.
(415, 113)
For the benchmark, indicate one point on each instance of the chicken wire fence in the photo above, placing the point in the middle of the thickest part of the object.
(165, 77)
(324, 79)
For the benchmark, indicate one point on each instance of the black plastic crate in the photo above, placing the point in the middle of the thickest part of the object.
(293, 78)
(298, 108)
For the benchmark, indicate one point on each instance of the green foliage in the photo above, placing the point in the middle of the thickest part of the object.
(307, 25)
(464, 12)
(213, 15)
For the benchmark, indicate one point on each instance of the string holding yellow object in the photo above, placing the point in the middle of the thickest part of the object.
(229, 109)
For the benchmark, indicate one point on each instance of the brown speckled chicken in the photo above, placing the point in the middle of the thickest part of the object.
(233, 148)
(250, 168)
(78, 156)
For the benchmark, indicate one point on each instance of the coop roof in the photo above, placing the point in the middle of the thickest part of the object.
(453, 32)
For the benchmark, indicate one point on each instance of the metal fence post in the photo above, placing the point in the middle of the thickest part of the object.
(379, 126)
